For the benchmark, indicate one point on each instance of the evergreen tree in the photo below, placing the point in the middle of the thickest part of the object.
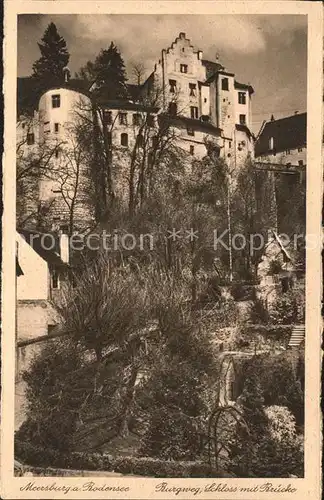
(48, 69)
(108, 72)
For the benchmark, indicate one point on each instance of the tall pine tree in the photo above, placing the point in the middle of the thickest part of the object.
(108, 73)
(48, 69)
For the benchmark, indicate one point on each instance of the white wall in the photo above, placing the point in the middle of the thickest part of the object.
(242, 109)
(34, 283)
(282, 158)
(65, 115)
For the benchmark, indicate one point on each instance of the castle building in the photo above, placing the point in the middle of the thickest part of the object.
(283, 141)
(199, 102)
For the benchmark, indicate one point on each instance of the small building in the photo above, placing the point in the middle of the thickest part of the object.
(42, 262)
(277, 272)
(283, 141)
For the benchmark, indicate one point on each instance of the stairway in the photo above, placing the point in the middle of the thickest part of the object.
(297, 336)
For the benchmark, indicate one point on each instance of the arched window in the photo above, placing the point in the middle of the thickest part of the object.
(124, 139)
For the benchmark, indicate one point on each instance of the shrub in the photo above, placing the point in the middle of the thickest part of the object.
(289, 308)
(275, 267)
(240, 291)
(259, 312)
(36, 456)
(51, 412)
(274, 333)
(171, 435)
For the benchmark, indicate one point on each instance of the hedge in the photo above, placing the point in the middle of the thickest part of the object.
(36, 456)
(274, 332)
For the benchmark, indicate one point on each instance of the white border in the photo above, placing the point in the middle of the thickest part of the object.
(308, 487)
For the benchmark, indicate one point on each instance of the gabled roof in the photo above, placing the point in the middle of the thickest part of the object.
(45, 245)
(287, 133)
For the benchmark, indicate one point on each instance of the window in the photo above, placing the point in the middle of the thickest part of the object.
(56, 127)
(183, 68)
(192, 89)
(194, 112)
(108, 117)
(205, 99)
(124, 140)
(55, 279)
(57, 153)
(56, 101)
(173, 85)
(229, 144)
(287, 151)
(23, 125)
(300, 163)
(300, 150)
(224, 83)
(140, 140)
(172, 108)
(271, 143)
(137, 119)
(190, 131)
(150, 121)
(30, 139)
(192, 150)
(123, 118)
(242, 98)
(242, 119)
(155, 141)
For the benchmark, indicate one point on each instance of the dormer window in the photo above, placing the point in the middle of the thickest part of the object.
(271, 143)
(183, 68)
(173, 85)
(192, 89)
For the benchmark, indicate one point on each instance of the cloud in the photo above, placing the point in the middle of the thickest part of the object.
(144, 32)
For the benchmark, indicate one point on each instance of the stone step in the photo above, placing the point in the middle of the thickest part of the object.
(297, 336)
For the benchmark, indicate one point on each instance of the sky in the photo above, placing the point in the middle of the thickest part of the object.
(267, 51)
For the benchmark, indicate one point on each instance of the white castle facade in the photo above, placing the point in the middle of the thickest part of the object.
(203, 102)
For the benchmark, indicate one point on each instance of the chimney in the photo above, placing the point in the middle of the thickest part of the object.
(200, 55)
(64, 248)
(182, 35)
(296, 112)
(217, 56)
(272, 118)
(67, 74)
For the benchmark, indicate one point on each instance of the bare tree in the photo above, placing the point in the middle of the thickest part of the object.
(138, 71)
